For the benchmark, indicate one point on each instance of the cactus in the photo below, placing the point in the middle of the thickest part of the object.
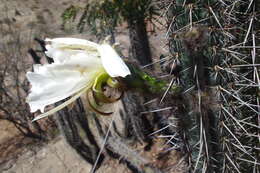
(215, 42)
(213, 46)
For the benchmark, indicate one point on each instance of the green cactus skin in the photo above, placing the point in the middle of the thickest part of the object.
(145, 83)
(214, 41)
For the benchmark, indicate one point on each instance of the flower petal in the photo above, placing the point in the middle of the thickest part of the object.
(61, 106)
(62, 48)
(54, 82)
(112, 62)
(72, 41)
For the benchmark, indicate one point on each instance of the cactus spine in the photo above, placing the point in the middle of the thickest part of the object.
(216, 43)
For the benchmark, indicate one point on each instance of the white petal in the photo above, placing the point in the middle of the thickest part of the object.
(71, 41)
(54, 82)
(61, 106)
(112, 62)
(59, 56)
(61, 49)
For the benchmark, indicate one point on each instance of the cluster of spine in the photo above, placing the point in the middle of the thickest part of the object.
(217, 44)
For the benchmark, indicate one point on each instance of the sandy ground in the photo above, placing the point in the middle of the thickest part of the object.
(55, 157)
(29, 19)
(7, 130)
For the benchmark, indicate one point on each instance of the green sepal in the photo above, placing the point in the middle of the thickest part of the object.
(98, 88)
(113, 83)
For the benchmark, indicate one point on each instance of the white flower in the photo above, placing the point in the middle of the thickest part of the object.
(76, 65)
